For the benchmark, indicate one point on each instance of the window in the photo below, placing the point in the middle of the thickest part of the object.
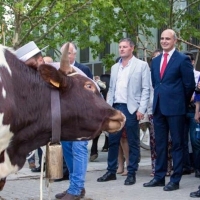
(106, 49)
(84, 55)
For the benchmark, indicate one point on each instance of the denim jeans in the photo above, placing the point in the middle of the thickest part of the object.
(132, 131)
(194, 141)
(76, 158)
(32, 158)
(189, 129)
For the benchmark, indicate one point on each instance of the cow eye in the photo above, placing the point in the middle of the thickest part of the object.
(89, 86)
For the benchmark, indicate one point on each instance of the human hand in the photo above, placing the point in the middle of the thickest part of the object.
(139, 115)
(197, 117)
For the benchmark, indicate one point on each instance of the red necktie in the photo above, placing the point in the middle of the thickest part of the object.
(164, 65)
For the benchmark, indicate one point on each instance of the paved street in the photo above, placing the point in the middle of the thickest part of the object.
(25, 185)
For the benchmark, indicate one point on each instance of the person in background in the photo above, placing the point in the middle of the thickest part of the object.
(173, 82)
(128, 92)
(123, 155)
(32, 160)
(196, 194)
(75, 152)
(191, 160)
(48, 59)
(152, 132)
(94, 147)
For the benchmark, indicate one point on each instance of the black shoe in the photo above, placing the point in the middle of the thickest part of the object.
(107, 177)
(171, 186)
(186, 171)
(104, 149)
(62, 179)
(197, 173)
(130, 180)
(37, 169)
(154, 183)
(195, 194)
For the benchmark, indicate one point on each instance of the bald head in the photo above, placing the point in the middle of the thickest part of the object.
(171, 32)
(71, 53)
(47, 59)
(168, 40)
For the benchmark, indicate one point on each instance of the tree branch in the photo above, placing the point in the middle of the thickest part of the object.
(193, 45)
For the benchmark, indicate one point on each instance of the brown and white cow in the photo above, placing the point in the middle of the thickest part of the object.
(25, 109)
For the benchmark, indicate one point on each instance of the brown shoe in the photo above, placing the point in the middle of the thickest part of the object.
(32, 165)
(70, 197)
(61, 195)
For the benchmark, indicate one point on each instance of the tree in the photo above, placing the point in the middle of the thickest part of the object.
(53, 22)
(40, 20)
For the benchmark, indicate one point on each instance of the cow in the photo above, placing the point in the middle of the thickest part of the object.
(25, 108)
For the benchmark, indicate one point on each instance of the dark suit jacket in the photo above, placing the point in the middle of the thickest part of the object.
(84, 68)
(177, 85)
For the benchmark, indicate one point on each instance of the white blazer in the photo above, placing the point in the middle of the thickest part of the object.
(138, 88)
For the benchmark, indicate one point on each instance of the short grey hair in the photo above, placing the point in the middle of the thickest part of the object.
(127, 40)
(73, 44)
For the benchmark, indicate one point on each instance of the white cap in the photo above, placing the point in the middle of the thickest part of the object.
(27, 51)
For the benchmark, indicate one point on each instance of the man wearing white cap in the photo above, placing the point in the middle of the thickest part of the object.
(32, 56)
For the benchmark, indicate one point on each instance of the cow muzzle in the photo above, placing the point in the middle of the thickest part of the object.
(116, 122)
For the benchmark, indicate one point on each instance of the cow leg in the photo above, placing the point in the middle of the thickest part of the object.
(2, 183)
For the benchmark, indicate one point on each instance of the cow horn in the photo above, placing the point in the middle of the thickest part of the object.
(64, 62)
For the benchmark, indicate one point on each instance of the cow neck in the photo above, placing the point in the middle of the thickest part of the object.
(55, 116)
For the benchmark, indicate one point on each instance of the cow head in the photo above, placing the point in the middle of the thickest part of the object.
(25, 109)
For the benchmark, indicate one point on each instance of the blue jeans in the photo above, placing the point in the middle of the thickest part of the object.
(195, 142)
(189, 128)
(32, 158)
(76, 158)
(132, 131)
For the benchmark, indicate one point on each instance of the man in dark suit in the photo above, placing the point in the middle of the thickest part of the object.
(72, 57)
(173, 82)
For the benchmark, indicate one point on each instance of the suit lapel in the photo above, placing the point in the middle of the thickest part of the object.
(115, 74)
(169, 64)
(132, 66)
(157, 66)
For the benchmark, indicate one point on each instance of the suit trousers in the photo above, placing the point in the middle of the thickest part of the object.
(132, 131)
(163, 125)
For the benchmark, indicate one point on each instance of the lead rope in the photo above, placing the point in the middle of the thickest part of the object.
(41, 176)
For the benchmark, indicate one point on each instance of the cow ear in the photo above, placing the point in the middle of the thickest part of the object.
(50, 75)
(56, 84)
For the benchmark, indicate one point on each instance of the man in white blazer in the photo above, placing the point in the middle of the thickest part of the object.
(129, 92)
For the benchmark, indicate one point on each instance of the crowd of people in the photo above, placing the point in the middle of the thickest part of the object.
(165, 90)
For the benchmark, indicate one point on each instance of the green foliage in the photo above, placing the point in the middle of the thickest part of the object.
(53, 22)
(108, 61)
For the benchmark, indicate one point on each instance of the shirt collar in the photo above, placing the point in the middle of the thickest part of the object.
(120, 61)
(170, 52)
